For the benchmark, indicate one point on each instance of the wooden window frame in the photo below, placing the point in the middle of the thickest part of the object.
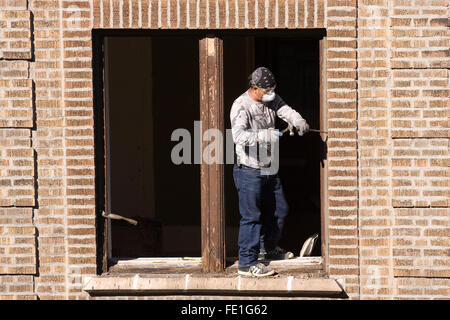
(212, 175)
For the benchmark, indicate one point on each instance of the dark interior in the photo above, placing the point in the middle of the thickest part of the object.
(295, 64)
(153, 89)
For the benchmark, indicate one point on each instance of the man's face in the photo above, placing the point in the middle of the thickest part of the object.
(259, 92)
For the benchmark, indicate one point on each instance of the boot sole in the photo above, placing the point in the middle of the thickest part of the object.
(248, 273)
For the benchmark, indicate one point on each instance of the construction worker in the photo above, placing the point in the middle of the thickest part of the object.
(262, 203)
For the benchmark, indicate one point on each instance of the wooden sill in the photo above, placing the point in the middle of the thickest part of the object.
(307, 265)
(175, 276)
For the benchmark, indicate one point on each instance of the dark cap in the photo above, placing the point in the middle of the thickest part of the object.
(262, 78)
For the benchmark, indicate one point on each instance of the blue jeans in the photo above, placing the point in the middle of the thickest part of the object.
(263, 208)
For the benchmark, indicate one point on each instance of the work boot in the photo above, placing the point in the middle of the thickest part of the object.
(278, 254)
(258, 270)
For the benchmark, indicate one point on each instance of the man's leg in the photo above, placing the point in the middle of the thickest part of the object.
(249, 185)
(267, 217)
(275, 208)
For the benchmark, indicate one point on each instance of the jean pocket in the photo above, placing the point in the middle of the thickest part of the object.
(237, 178)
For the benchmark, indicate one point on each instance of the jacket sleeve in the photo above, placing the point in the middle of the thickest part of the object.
(285, 112)
(240, 127)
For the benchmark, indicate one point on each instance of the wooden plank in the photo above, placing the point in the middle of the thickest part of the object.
(107, 226)
(99, 116)
(303, 267)
(212, 174)
(324, 164)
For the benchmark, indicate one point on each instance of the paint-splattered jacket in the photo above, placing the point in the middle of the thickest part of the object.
(251, 122)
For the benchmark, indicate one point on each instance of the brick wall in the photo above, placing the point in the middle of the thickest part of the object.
(403, 148)
(341, 86)
(18, 233)
(387, 95)
(194, 14)
(15, 34)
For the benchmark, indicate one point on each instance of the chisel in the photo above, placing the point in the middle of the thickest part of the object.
(291, 129)
(319, 131)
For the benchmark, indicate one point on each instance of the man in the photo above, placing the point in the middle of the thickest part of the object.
(262, 204)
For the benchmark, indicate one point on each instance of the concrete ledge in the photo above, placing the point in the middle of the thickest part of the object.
(210, 285)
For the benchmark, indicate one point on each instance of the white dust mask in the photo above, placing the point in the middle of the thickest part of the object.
(268, 96)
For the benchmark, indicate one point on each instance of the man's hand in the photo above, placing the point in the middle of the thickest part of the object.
(269, 135)
(302, 126)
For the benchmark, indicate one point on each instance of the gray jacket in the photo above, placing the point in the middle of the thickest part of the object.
(251, 124)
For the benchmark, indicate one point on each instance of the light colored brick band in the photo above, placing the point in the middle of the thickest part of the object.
(209, 14)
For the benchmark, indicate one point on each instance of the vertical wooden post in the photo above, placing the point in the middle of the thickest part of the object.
(324, 165)
(212, 175)
(107, 244)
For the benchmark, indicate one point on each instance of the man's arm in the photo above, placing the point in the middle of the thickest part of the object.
(288, 114)
(284, 111)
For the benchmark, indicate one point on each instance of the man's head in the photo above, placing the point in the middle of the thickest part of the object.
(262, 85)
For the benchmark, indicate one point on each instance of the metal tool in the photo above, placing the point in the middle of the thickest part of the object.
(291, 130)
(118, 217)
(319, 131)
(308, 246)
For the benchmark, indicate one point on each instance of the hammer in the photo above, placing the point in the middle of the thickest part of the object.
(289, 128)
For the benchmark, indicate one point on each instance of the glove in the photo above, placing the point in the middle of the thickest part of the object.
(302, 126)
(268, 135)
